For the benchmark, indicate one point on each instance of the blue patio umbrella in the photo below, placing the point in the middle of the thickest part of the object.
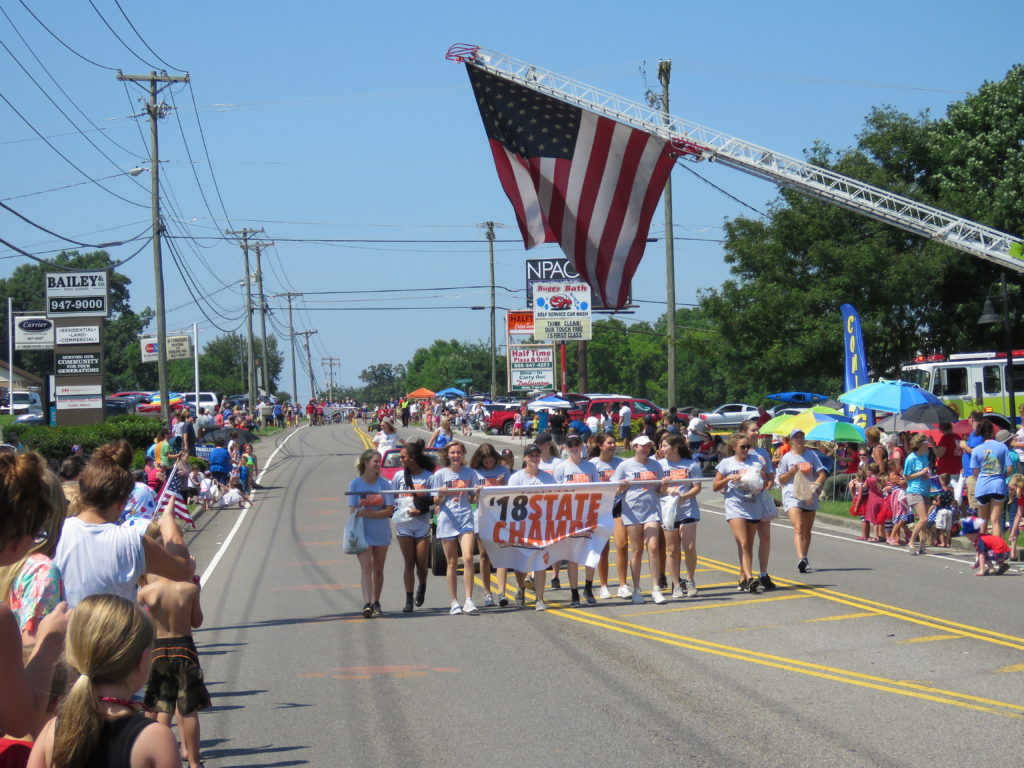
(894, 396)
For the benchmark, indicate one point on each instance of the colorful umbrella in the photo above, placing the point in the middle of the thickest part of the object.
(837, 432)
(894, 396)
(786, 423)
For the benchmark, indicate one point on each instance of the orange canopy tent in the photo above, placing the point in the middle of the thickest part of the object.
(421, 394)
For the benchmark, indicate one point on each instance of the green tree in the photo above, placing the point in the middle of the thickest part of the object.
(777, 317)
(122, 355)
(383, 382)
(445, 361)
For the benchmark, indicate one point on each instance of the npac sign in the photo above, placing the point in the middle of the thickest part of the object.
(554, 269)
(33, 332)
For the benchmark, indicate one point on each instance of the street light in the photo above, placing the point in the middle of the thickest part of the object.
(989, 316)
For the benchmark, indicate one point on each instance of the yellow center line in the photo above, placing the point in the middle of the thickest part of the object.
(840, 617)
(725, 604)
(899, 687)
(903, 614)
(363, 436)
(928, 639)
(902, 688)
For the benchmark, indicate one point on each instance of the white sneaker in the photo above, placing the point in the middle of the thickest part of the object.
(456, 608)
(488, 600)
(657, 596)
(638, 597)
(677, 592)
(540, 606)
(603, 593)
(624, 591)
(469, 606)
(691, 588)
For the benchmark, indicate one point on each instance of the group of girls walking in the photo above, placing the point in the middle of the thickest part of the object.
(656, 513)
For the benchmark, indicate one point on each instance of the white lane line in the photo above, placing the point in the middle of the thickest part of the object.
(245, 511)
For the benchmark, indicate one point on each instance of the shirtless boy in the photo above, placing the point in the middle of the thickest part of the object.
(176, 679)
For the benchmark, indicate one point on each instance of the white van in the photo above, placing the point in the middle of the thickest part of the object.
(207, 400)
(26, 401)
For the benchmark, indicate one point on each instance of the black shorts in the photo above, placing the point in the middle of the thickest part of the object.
(687, 521)
(176, 679)
(987, 498)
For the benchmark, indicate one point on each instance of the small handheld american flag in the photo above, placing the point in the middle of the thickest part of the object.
(172, 489)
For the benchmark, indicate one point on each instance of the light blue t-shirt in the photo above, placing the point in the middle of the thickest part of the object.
(919, 485)
(990, 459)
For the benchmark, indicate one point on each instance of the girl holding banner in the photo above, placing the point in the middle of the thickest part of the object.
(640, 512)
(488, 466)
(602, 455)
(531, 474)
(412, 519)
(681, 472)
(576, 469)
(454, 484)
(366, 501)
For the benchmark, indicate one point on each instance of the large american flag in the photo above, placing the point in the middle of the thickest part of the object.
(172, 489)
(575, 178)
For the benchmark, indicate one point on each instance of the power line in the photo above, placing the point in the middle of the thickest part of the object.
(209, 163)
(68, 239)
(66, 95)
(119, 38)
(59, 40)
(71, 269)
(148, 47)
(718, 188)
(65, 157)
(186, 281)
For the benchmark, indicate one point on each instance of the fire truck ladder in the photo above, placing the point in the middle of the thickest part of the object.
(696, 143)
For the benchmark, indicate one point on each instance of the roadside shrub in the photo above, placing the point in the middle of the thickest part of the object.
(56, 442)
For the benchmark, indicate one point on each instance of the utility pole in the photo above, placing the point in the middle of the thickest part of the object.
(250, 357)
(258, 247)
(291, 335)
(309, 361)
(330, 361)
(156, 111)
(664, 74)
(490, 227)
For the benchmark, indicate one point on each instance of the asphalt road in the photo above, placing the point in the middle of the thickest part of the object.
(873, 659)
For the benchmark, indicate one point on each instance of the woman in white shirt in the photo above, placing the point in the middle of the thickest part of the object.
(95, 555)
(387, 438)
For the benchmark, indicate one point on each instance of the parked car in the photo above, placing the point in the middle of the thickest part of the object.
(598, 403)
(730, 415)
(25, 401)
(207, 400)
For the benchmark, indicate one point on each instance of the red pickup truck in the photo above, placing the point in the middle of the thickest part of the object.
(501, 420)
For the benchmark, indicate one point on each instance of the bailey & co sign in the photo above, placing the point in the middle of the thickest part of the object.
(77, 294)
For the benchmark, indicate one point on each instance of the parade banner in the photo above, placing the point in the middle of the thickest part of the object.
(531, 527)
(856, 369)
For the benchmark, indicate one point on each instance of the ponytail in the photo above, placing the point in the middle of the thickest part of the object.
(106, 638)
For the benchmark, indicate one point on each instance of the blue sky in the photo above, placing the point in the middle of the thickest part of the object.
(335, 121)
